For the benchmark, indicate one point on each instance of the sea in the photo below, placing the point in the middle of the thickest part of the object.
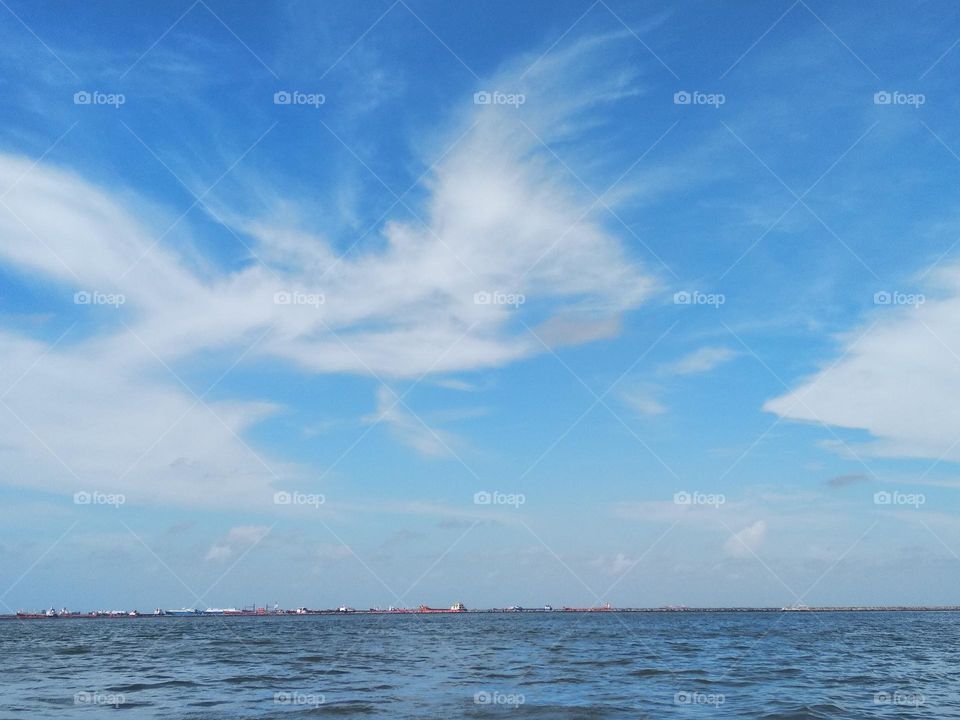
(510, 665)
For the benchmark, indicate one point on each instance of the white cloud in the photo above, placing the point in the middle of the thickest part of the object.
(614, 566)
(501, 215)
(747, 541)
(410, 428)
(455, 384)
(703, 360)
(896, 378)
(642, 400)
(83, 418)
(238, 540)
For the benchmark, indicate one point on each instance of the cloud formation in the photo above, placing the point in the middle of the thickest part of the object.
(702, 360)
(896, 378)
(746, 542)
(105, 407)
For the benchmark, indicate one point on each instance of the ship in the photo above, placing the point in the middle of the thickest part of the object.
(247, 610)
(602, 608)
(25, 615)
(457, 607)
(183, 612)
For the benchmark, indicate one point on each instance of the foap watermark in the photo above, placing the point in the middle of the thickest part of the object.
(302, 699)
(95, 497)
(496, 697)
(495, 97)
(99, 698)
(95, 297)
(883, 497)
(695, 97)
(295, 97)
(499, 498)
(296, 297)
(692, 697)
(895, 97)
(683, 497)
(498, 297)
(695, 297)
(901, 698)
(295, 497)
(96, 97)
(895, 297)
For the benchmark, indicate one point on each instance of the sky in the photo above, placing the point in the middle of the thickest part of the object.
(390, 303)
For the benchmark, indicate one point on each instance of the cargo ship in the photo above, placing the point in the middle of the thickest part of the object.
(457, 607)
(602, 608)
(183, 612)
(24, 615)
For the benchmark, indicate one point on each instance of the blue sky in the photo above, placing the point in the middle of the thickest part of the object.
(586, 260)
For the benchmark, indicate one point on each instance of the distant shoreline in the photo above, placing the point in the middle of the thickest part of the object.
(134, 615)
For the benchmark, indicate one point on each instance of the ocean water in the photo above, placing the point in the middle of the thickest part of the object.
(557, 665)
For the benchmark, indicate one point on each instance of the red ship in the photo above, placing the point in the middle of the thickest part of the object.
(603, 608)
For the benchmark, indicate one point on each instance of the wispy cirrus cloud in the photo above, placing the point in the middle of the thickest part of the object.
(701, 360)
(105, 407)
(409, 428)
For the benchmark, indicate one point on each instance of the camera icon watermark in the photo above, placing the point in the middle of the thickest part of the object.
(99, 698)
(897, 498)
(484, 497)
(899, 698)
(495, 697)
(498, 297)
(295, 497)
(695, 97)
(695, 297)
(895, 97)
(295, 97)
(895, 297)
(95, 297)
(96, 97)
(692, 697)
(684, 497)
(295, 297)
(302, 699)
(95, 497)
(495, 97)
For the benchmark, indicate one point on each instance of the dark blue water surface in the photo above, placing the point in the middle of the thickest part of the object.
(549, 665)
